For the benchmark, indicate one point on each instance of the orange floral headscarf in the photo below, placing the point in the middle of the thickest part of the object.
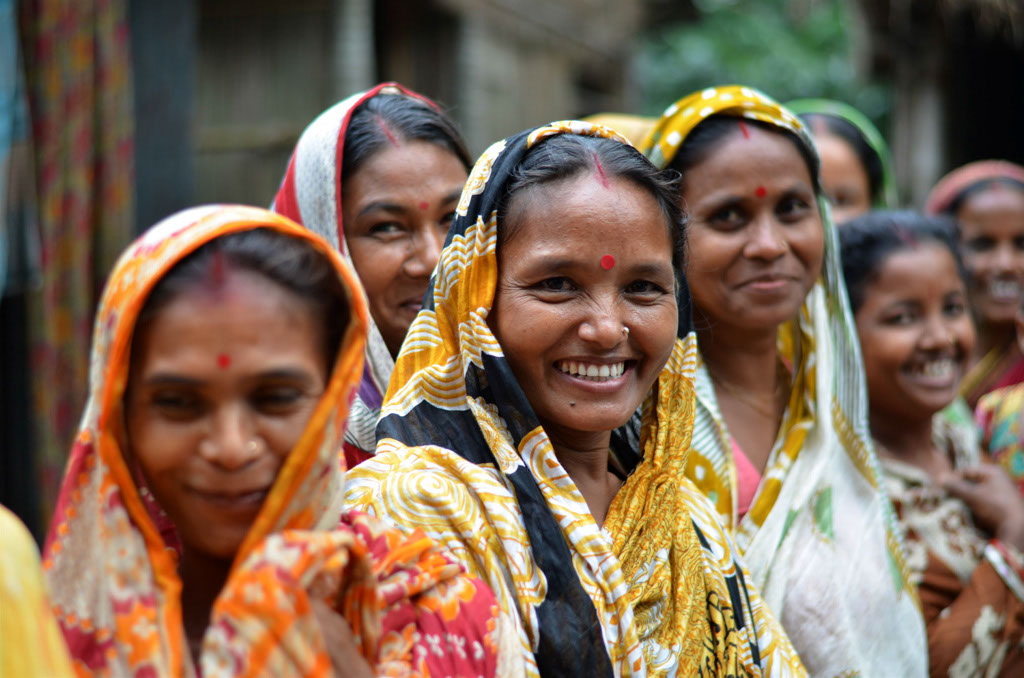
(110, 558)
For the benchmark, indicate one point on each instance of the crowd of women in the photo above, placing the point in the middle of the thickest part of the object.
(704, 404)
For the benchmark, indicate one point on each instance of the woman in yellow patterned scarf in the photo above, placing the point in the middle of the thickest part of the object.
(197, 531)
(780, 442)
(509, 435)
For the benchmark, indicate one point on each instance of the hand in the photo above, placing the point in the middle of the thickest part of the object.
(341, 646)
(997, 505)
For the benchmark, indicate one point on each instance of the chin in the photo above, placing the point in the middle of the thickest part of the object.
(596, 420)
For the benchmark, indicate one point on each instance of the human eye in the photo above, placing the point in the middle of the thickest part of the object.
(386, 230)
(446, 221)
(954, 307)
(177, 404)
(1018, 242)
(556, 285)
(795, 207)
(644, 288)
(900, 317)
(277, 399)
(727, 218)
(981, 244)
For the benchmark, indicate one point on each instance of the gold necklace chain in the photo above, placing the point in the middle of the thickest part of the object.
(747, 400)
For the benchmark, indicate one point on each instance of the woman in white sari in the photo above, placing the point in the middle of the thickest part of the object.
(780, 442)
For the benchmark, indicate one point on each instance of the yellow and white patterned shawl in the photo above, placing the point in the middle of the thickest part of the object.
(820, 537)
(462, 455)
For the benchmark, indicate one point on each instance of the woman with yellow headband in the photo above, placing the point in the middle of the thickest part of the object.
(780, 442)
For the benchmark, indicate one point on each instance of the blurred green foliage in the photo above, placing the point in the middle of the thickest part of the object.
(786, 48)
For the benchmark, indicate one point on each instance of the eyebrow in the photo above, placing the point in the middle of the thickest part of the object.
(382, 205)
(279, 374)
(402, 209)
(557, 263)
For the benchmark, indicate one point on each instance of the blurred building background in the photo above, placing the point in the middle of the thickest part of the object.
(116, 113)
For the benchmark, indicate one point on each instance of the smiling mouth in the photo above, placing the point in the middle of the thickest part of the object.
(592, 371)
(252, 499)
(1004, 290)
(941, 372)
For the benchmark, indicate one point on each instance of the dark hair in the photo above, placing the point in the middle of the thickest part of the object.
(706, 137)
(980, 186)
(385, 119)
(868, 240)
(290, 262)
(567, 156)
(848, 132)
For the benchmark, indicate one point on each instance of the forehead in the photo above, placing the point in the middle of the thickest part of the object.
(582, 212)
(994, 201)
(414, 166)
(760, 153)
(247, 311)
(928, 267)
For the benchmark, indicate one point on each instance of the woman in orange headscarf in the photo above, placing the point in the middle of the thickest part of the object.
(197, 530)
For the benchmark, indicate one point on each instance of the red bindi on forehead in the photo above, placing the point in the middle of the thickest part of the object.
(600, 171)
(760, 191)
(223, 361)
(607, 262)
(424, 204)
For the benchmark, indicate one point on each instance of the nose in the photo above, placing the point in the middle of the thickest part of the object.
(937, 335)
(766, 241)
(603, 326)
(1005, 259)
(424, 251)
(232, 442)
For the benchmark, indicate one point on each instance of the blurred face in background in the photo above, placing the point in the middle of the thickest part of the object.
(915, 332)
(992, 234)
(843, 177)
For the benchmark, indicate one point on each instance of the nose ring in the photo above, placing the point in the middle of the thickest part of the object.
(625, 331)
(252, 447)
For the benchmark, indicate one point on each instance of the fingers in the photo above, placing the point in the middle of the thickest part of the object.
(963, 485)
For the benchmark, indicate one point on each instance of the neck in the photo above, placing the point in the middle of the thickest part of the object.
(744, 360)
(202, 578)
(909, 441)
(992, 337)
(584, 456)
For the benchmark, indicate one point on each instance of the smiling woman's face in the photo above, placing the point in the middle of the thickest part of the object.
(755, 240)
(559, 314)
(915, 333)
(397, 209)
(992, 233)
(222, 385)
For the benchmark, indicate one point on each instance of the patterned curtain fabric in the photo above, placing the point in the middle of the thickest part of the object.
(78, 73)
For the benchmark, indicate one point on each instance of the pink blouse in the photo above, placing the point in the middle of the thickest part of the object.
(748, 478)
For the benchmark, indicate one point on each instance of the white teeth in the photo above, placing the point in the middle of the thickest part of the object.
(937, 369)
(592, 372)
(1005, 289)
